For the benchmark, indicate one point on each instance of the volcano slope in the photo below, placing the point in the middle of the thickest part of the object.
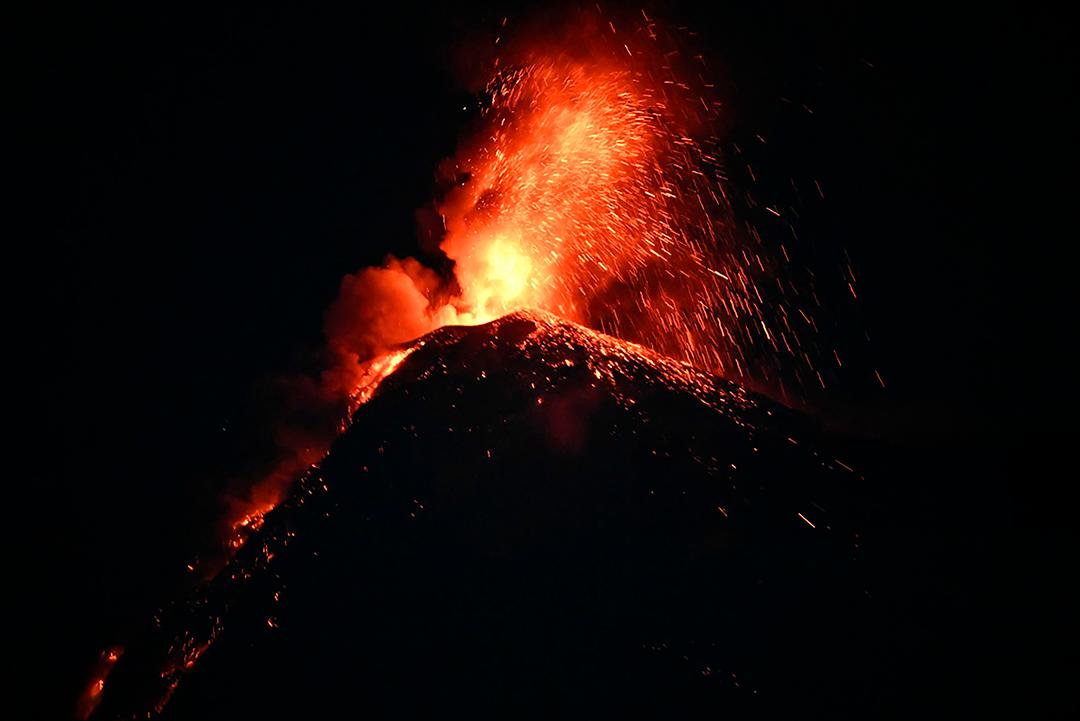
(530, 519)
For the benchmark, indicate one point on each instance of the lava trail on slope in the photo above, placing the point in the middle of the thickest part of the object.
(525, 518)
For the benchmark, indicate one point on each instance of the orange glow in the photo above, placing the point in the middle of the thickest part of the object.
(497, 277)
(249, 524)
(373, 374)
(593, 189)
(553, 208)
(91, 697)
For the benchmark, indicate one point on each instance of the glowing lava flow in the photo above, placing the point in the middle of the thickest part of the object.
(376, 371)
(91, 696)
(187, 649)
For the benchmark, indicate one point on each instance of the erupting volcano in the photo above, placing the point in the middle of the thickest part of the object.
(508, 361)
(588, 235)
(590, 187)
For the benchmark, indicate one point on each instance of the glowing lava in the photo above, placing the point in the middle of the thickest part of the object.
(91, 696)
(593, 190)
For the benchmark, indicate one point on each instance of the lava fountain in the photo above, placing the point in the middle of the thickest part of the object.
(593, 189)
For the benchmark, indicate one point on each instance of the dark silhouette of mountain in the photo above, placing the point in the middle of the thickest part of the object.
(531, 519)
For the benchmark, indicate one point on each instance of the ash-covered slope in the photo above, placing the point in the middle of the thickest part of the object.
(530, 519)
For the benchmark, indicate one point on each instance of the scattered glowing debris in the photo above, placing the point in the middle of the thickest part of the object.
(91, 697)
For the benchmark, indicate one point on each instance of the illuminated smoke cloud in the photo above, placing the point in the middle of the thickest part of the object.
(377, 309)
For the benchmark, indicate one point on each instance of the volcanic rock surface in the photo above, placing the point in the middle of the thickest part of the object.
(531, 519)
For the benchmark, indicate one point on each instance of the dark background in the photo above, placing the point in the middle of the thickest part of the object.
(208, 177)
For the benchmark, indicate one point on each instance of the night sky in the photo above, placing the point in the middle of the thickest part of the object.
(210, 177)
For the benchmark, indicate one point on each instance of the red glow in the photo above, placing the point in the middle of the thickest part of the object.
(91, 696)
(250, 523)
